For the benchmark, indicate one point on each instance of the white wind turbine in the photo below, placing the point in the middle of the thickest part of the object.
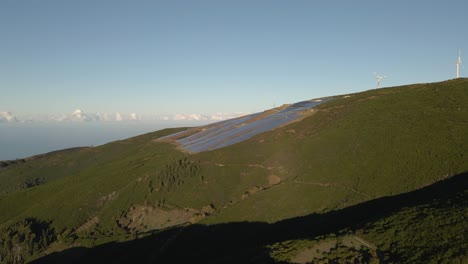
(459, 62)
(379, 79)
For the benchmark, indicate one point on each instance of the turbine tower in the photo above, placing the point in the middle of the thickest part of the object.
(459, 62)
(379, 79)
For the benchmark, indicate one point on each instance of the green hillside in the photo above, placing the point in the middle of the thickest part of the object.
(353, 149)
(422, 226)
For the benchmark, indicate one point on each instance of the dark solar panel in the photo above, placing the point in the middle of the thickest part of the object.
(236, 130)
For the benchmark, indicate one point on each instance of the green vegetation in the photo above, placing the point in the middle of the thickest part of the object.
(371, 144)
(364, 233)
(432, 232)
(352, 149)
(24, 238)
(175, 174)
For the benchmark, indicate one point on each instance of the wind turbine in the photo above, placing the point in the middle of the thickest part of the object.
(379, 79)
(459, 62)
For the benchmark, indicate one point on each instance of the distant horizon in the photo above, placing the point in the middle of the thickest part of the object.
(79, 115)
(22, 140)
(25, 138)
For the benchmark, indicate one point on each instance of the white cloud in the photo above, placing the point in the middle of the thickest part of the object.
(224, 116)
(197, 117)
(200, 117)
(7, 117)
(133, 116)
(118, 117)
(79, 115)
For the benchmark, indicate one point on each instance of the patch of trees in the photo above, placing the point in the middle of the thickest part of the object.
(176, 172)
(343, 254)
(23, 239)
(7, 163)
(32, 182)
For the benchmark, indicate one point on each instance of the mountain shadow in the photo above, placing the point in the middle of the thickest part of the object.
(245, 242)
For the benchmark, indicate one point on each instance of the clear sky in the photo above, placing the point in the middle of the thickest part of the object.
(167, 57)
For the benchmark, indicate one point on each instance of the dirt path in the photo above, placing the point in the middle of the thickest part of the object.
(322, 184)
(327, 184)
(315, 183)
(240, 164)
(365, 243)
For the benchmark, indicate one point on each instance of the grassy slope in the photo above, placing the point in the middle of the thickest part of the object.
(422, 226)
(73, 198)
(47, 167)
(371, 144)
(429, 227)
(353, 149)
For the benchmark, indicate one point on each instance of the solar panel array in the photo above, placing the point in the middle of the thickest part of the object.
(235, 130)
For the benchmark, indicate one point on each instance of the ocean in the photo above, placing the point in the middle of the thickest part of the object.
(21, 140)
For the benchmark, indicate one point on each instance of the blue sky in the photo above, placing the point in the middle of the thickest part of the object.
(167, 57)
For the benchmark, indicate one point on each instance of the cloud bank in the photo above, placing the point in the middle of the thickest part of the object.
(79, 115)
